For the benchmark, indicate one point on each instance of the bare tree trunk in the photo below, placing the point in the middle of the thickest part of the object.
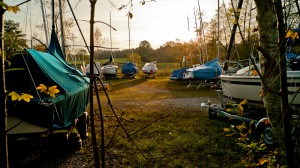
(3, 115)
(93, 132)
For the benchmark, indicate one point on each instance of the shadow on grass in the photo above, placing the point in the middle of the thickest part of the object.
(125, 83)
(41, 151)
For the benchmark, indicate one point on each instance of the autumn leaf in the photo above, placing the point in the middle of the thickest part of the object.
(262, 161)
(227, 129)
(14, 96)
(240, 107)
(130, 15)
(42, 88)
(13, 9)
(241, 127)
(26, 97)
(261, 93)
(52, 91)
(253, 73)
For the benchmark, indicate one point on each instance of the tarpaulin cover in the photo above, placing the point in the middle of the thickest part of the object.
(48, 69)
(129, 68)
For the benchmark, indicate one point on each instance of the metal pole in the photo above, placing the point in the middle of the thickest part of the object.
(44, 21)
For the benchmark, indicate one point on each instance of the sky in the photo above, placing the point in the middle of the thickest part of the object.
(156, 22)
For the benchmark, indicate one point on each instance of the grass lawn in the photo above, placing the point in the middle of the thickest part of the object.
(168, 126)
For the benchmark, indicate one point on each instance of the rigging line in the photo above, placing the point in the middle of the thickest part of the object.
(75, 7)
(26, 18)
(119, 121)
(30, 28)
(32, 80)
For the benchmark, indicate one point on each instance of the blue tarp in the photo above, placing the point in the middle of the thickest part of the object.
(129, 69)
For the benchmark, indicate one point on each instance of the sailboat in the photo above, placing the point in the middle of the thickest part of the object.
(208, 71)
(129, 69)
(246, 83)
(46, 111)
(110, 68)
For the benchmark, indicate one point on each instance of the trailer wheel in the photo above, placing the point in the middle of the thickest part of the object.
(267, 135)
(82, 125)
(75, 140)
(211, 114)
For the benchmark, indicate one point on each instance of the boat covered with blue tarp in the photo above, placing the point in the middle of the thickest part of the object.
(207, 71)
(129, 69)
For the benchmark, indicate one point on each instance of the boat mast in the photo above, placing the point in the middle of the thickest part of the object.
(62, 30)
(44, 21)
(237, 16)
(218, 30)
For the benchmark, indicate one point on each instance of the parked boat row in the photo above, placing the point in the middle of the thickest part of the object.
(128, 69)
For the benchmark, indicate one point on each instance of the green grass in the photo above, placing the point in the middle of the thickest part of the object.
(178, 136)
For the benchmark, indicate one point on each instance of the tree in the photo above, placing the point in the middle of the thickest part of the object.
(145, 51)
(134, 57)
(271, 32)
(13, 37)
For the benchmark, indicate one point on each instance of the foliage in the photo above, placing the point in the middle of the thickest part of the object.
(145, 51)
(51, 91)
(15, 96)
(134, 57)
(14, 38)
(255, 153)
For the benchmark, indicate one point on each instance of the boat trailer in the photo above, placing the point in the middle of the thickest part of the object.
(228, 109)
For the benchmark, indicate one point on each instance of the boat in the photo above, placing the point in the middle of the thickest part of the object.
(129, 69)
(97, 69)
(178, 74)
(208, 71)
(109, 69)
(149, 68)
(245, 84)
(44, 111)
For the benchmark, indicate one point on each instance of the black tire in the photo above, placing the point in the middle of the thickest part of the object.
(211, 114)
(75, 140)
(267, 135)
(82, 125)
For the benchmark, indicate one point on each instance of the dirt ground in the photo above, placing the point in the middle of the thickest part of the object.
(54, 152)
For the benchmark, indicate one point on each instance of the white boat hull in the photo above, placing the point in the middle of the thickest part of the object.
(149, 68)
(109, 70)
(248, 87)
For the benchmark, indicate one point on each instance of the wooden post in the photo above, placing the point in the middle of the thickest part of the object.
(93, 132)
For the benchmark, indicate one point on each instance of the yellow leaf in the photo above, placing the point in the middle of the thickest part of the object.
(243, 135)
(52, 91)
(240, 127)
(226, 129)
(15, 9)
(253, 73)
(229, 134)
(42, 88)
(14, 96)
(26, 97)
(262, 161)
(230, 109)
(292, 34)
(261, 93)
(9, 8)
